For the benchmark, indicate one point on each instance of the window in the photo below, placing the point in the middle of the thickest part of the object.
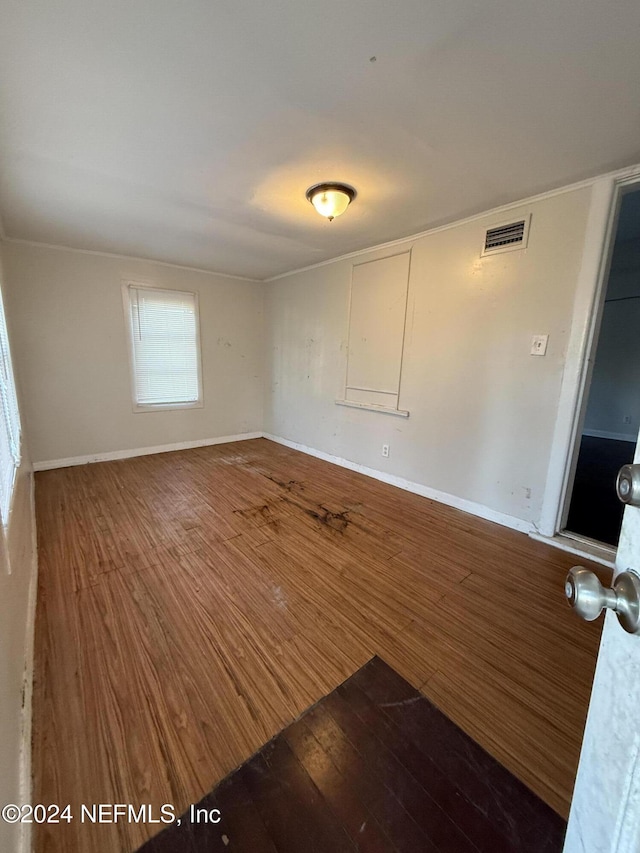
(164, 348)
(10, 423)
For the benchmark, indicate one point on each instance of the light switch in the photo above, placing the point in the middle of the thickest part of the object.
(539, 344)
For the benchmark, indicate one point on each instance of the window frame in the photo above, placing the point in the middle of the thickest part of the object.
(126, 304)
(12, 387)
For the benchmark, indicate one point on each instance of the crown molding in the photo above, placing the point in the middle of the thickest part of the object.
(621, 176)
(629, 173)
(40, 245)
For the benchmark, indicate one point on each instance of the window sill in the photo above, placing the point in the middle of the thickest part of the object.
(167, 407)
(371, 407)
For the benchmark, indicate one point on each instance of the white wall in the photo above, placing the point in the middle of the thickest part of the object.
(482, 408)
(17, 592)
(613, 395)
(71, 356)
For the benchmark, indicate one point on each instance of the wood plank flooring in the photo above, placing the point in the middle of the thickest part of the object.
(373, 767)
(192, 604)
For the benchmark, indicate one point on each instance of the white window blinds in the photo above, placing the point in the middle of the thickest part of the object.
(10, 422)
(164, 346)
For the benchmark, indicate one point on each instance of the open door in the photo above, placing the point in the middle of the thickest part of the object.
(605, 811)
(611, 407)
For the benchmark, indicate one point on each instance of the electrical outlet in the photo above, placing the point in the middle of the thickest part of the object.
(539, 344)
(385, 450)
(626, 419)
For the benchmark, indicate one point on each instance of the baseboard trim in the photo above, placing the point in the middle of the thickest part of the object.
(479, 510)
(27, 685)
(140, 451)
(471, 507)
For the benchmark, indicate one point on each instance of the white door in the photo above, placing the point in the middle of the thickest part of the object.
(605, 811)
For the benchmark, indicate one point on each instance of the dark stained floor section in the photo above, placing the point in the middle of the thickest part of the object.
(375, 767)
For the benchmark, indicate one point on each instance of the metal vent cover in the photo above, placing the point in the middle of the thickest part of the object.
(507, 237)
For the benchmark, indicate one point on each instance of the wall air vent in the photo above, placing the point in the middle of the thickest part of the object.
(507, 237)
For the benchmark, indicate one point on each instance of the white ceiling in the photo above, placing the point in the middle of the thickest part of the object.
(188, 130)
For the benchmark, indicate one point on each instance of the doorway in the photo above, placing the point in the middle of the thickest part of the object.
(612, 414)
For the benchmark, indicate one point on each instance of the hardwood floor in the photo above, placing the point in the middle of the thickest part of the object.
(193, 604)
(374, 767)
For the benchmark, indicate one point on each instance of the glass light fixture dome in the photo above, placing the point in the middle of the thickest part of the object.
(332, 199)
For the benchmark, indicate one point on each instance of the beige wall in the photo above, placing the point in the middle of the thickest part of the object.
(16, 626)
(482, 408)
(71, 353)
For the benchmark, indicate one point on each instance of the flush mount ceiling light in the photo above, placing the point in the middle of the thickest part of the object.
(332, 199)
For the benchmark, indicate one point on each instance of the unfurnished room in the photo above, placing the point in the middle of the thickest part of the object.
(319, 412)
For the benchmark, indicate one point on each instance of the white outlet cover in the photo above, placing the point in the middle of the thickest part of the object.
(539, 344)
